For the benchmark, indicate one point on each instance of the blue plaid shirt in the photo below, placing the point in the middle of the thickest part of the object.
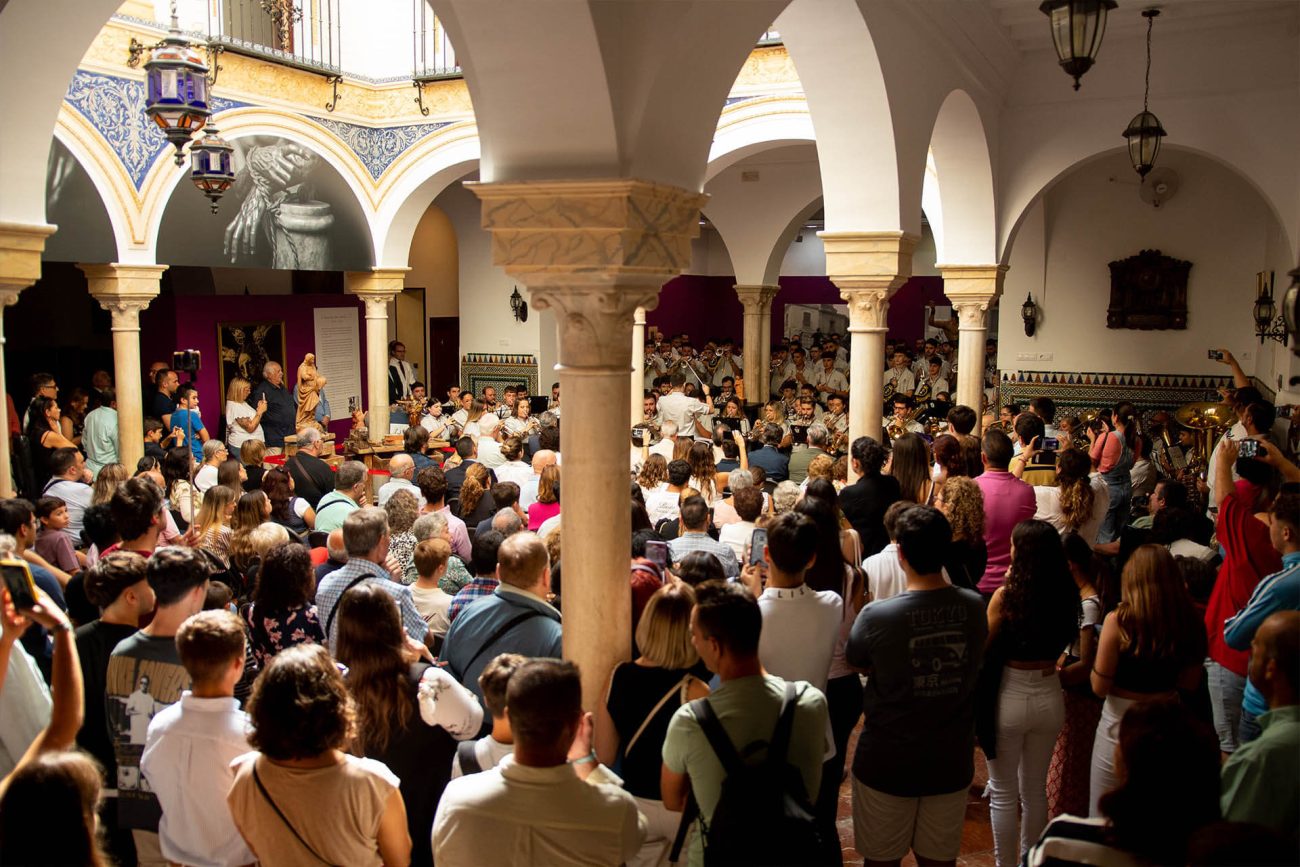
(332, 587)
(474, 590)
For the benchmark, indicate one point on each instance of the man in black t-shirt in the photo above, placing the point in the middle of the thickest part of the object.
(162, 402)
(922, 650)
(116, 585)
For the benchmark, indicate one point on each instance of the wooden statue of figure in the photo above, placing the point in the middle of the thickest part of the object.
(310, 383)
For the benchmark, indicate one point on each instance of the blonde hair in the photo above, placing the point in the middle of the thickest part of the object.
(963, 504)
(653, 471)
(402, 509)
(107, 482)
(1075, 488)
(550, 477)
(252, 453)
(212, 512)
(238, 389)
(664, 633)
(1155, 615)
(821, 467)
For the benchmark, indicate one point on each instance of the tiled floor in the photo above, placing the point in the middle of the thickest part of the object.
(976, 837)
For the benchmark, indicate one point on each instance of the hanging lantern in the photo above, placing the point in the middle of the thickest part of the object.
(177, 98)
(211, 166)
(1144, 131)
(1077, 28)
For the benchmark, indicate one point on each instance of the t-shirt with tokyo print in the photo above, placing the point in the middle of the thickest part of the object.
(144, 676)
(923, 650)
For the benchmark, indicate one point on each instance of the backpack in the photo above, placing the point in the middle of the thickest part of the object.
(768, 795)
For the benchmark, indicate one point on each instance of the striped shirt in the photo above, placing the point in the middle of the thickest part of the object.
(1074, 840)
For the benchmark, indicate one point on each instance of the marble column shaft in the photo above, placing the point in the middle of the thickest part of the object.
(376, 289)
(125, 290)
(757, 301)
(972, 289)
(593, 252)
(637, 381)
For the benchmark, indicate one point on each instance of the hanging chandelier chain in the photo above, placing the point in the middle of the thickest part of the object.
(1146, 94)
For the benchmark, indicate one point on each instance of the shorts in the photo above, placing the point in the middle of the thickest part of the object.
(886, 826)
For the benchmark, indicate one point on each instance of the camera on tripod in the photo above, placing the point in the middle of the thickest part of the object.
(187, 361)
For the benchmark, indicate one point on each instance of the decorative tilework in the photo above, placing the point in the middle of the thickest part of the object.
(482, 369)
(1074, 392)
(377, 148)
(115, 107)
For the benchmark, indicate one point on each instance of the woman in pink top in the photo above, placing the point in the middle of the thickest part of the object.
(1113, 451)
(548, 498)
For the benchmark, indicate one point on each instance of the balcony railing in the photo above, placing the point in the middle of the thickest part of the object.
(433, 56)
(303, 34)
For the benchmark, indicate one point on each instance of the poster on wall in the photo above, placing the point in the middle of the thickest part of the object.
(338, 356)
(807, 322)
(246, 347)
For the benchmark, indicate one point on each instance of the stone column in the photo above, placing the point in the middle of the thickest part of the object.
(971, 289)
(765, 348)
(757, 301)
(868, 268)
(637, 381)
(377, 289)
(20, 266)
(593, 251)
(125, 290)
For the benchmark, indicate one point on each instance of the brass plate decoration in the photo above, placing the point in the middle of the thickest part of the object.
(1148, 291)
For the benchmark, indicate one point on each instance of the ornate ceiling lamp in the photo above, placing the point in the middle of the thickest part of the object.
(177, 88)
(1144, 131)
(1077, 29)
(211, 166)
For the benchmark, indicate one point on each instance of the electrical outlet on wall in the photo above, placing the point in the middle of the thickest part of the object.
(1045, 356)
(1025, 356)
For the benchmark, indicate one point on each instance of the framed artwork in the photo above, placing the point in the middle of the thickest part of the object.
(1148, 291)
(245, 347)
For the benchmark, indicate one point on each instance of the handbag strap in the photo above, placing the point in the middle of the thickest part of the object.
(496, 636)
(283, 818)
(679, 685)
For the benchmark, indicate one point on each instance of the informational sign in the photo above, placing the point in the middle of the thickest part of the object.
(338, 356)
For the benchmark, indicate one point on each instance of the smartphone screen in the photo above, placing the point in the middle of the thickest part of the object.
(1051, 444)
(19, 583)
(657, 553)
(1214, 355)
(757, 543)
(1248, 449)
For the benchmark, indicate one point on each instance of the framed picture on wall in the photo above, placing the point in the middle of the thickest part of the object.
(244, 349)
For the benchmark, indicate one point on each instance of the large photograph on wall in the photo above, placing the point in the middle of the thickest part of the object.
(246, 347)
(810, 322)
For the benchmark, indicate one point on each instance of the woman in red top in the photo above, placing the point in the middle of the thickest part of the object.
(1248, 557)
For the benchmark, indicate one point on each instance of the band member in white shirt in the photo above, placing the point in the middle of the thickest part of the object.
(830, 382)
(930, 385)
(898, 378)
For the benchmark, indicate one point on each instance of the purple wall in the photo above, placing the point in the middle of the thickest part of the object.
(704, 307)
(192, 324)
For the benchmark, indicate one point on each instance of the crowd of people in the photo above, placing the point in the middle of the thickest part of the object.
(220, 659)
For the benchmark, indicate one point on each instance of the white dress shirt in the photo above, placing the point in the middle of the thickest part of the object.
(187, 761)
(393, 485)
(885, 575)
(518, 814)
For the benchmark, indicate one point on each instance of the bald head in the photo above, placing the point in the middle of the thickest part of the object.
(334, 544)
(543, 459)
(1275, 658)
(401, 466)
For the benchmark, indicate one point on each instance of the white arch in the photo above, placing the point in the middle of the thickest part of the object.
(757, 125)
(238, 123)
(100, 163)
(965, 229)
(932, 204)
(414, 181)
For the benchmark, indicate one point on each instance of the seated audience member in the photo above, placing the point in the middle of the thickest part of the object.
(433, 525)
(864, 502)
(414, 444)
(476, 504)
(214, 454)
(251, 455)
(1186, 532)
(349, 494)
(485, 753)
(336, 555)
(343, 809)
(519, 603)
(211, 528)
(514, 469)
(431, 558)
(365, 534)
(401, 471)
(748, 505)
(774, 463)
(288, 510)
(533, 801)
(190, 746)
(51, 542)
(281, 613)
(693, 536)
(483, 563)
(409, 713)
(432, 482)
(402, 510)
(726, 626)
(145, 675)
(1167, 789)
(504, 497)
(641, 698)
(312, 477)
(915, 756)
(68, 481)
(548, 498)
(1261, 780)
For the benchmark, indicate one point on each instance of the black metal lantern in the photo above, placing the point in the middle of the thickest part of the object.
(1144, 131)
(1029, 313)
(177, 88)
(1290, 300)
(1077, 29)
(518, 306)
(1266, 309)
(211, 166)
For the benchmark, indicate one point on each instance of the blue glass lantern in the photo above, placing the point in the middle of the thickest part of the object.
(177, 82)
(211, 165)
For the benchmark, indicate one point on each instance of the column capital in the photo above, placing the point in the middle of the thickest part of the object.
(383, 284)
(972, 282)
(21, 245)
(759, 296)
(868, 256)
(616, 227)
(124, 290)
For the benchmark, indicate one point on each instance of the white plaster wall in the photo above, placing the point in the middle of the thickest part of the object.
(486, 324)
(806, 258)
(1216, 221)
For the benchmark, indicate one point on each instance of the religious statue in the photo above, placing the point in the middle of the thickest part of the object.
(310, 383)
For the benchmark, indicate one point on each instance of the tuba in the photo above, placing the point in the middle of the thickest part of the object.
(891, 386)
(897, 427)
(1080, 433)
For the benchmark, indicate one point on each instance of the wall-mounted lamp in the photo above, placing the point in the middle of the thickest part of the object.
(1291, 306)
(518, 306)
(1265, 311)
(1029, 313)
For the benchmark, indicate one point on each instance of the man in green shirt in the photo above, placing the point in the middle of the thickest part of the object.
(349, 494)
(1261, 780)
